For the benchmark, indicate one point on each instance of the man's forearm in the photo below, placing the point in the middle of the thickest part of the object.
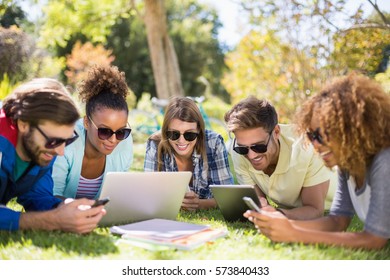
(302, 213)
(38, 220)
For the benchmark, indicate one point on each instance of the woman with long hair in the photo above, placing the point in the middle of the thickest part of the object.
(348, 123)
(183, 144)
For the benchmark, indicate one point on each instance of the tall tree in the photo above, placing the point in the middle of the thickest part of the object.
(322, 38)
(95, 19)
(120, 25)
(193, 29)
(164, 60)
(263, 66)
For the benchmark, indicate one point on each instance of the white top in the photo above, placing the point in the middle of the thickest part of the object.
(360, 199)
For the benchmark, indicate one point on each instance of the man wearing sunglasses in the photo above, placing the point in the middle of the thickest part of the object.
(36, 123)
(271, 157)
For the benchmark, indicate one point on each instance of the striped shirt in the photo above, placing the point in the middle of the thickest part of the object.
(88, 188)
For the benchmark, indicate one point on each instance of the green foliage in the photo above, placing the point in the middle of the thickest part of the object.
(359, 49)
(128, 42)
(16, 49)
(11, 14)
(91, 18)
(4, 5)
(193, 29)
(82, 58)
(6, 87)
(384, 79)
(242, 243)
(265, 67)
(21, 59)
(215, 107)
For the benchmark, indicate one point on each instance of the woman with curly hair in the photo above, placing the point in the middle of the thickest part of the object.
(348, 123)
(105, 143)
(183, 144)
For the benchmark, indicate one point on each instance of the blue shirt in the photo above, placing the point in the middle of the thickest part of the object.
(67, 169)
(218, 172)
(33, 190)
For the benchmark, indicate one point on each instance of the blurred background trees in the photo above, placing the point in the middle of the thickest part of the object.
(288, 49)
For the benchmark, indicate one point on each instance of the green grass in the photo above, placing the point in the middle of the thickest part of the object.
(241, 243)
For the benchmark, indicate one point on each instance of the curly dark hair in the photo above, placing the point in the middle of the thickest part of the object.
(105, 87)
(354, 113)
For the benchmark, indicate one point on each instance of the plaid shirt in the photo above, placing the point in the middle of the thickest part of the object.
(218, 172)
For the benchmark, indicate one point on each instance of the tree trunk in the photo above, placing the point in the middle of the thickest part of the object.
(165, 65)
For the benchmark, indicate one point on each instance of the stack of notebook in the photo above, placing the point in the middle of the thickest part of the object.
(167, 233)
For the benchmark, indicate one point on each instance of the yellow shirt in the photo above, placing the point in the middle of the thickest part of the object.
(298, 167)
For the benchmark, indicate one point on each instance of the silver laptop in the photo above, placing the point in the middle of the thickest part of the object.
(138, 196)
(229, 200)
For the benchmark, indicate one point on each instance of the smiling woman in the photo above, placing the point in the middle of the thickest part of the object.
(184, 144)
(105, 143)
(351, 116)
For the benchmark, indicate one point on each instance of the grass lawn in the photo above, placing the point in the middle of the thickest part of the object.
(242, 242)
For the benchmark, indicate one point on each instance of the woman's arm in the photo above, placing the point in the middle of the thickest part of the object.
(326, 230)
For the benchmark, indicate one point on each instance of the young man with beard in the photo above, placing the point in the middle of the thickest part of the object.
(271, 157)
(36, 123)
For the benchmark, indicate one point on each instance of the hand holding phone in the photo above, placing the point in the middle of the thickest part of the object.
(102, 201)
(251, 204)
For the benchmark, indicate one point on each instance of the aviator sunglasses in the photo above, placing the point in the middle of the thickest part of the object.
(315, 135)
(257, 148)
(53, 142)
(188, 136)
(106, 133)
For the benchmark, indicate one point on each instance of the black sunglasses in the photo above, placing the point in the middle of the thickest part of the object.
(174, 135)
(53, 142)
(257, 148)
(106, 133)
(315, 135)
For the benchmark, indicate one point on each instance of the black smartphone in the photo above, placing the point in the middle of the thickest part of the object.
(102, 201)
(251, 204)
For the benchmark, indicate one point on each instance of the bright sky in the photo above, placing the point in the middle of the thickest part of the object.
(234, 25)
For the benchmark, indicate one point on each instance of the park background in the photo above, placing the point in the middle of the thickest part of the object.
(280, 50)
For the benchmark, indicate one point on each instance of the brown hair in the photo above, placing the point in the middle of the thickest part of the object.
(41, 99)
(251, 113)
(186, 110)
(354, 112)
